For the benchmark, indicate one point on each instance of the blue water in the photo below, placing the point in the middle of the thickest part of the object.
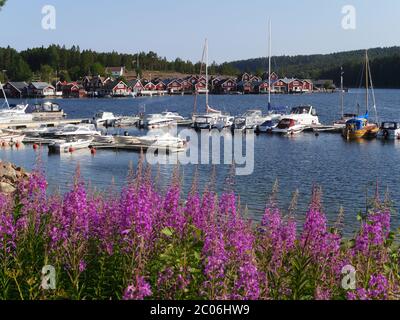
(347, 171)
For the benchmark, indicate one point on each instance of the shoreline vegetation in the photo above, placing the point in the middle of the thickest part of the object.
(146, 243)
(66, 64)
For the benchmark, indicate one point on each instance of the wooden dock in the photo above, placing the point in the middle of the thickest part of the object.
(37, 124)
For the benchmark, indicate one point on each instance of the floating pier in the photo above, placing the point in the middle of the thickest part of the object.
(37, 124)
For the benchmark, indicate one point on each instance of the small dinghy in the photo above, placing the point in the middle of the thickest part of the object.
(69, 145)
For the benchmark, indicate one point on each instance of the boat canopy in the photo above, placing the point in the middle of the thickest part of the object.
(390, 125)
(358, 123)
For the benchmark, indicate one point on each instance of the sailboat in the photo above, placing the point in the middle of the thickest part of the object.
(359, 127)
(341, 123)
(274, 114)
(212, 117)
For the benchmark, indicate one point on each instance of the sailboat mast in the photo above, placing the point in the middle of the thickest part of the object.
(269, 65)
(366, 79)
(342, 91)
(4, 95)
(206, 48)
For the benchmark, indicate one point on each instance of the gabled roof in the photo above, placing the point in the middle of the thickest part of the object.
(41, 85)
(113, 84)
(19, 86)
(134, 82)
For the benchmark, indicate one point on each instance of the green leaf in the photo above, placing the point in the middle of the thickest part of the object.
(168, 232)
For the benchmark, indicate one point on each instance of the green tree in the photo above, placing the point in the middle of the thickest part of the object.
(97, 69)
(46, 73)
(64, 76)
(23, 72)
(2, 3)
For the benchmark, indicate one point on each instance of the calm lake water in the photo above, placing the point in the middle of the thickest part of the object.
(345, 170)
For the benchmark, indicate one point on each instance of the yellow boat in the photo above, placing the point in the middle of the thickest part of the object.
(360, 128)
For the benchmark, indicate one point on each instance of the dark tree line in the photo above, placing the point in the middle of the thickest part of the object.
(73, 63)
(59, 62)
(385, 66)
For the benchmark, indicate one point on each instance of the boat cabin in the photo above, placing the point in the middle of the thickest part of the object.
(304, 110)
(390, 125)
(357, 123)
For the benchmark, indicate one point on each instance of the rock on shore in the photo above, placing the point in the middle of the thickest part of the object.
(10, 175)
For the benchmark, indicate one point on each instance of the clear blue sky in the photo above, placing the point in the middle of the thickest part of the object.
(177, 28)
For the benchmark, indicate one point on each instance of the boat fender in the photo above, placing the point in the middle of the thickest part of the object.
(70, 150)
(35, 146)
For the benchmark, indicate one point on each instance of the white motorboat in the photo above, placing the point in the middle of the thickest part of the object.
(305, 115)
(15, 113)
(158, 120)
(11, 136)
(127, 121)
(47, 110)
(250, 120)
(104, 119)
(103, 139)
(223, 121)
(389, 131)
(172, 115)
(205, 121)
(69, 145)
(41, 131)
(289, 126)
(126, 139)
(267, 126)
(77, 130)
(163, 141)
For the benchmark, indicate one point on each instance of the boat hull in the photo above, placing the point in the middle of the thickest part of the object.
(369, 132)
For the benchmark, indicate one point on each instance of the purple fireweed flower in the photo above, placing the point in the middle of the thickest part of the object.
(8, 230)
(278, 236)
(374, 232)
(216, 258)
(32, 197)
(138, 290)
(193, 211)
(173, 214)
(323, 294)
(240, 238)
(378, 287)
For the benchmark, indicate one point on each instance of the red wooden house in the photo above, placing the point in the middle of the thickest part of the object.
(117, 88)
(200, 86)
(295, 86)
(308, 86)
(149, 86)
(174, 86)
(161, 86)
(187, 86)
(135, 86)
(226, 86)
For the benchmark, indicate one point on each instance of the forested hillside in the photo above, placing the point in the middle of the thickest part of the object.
(385, 66)
(72, 63)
